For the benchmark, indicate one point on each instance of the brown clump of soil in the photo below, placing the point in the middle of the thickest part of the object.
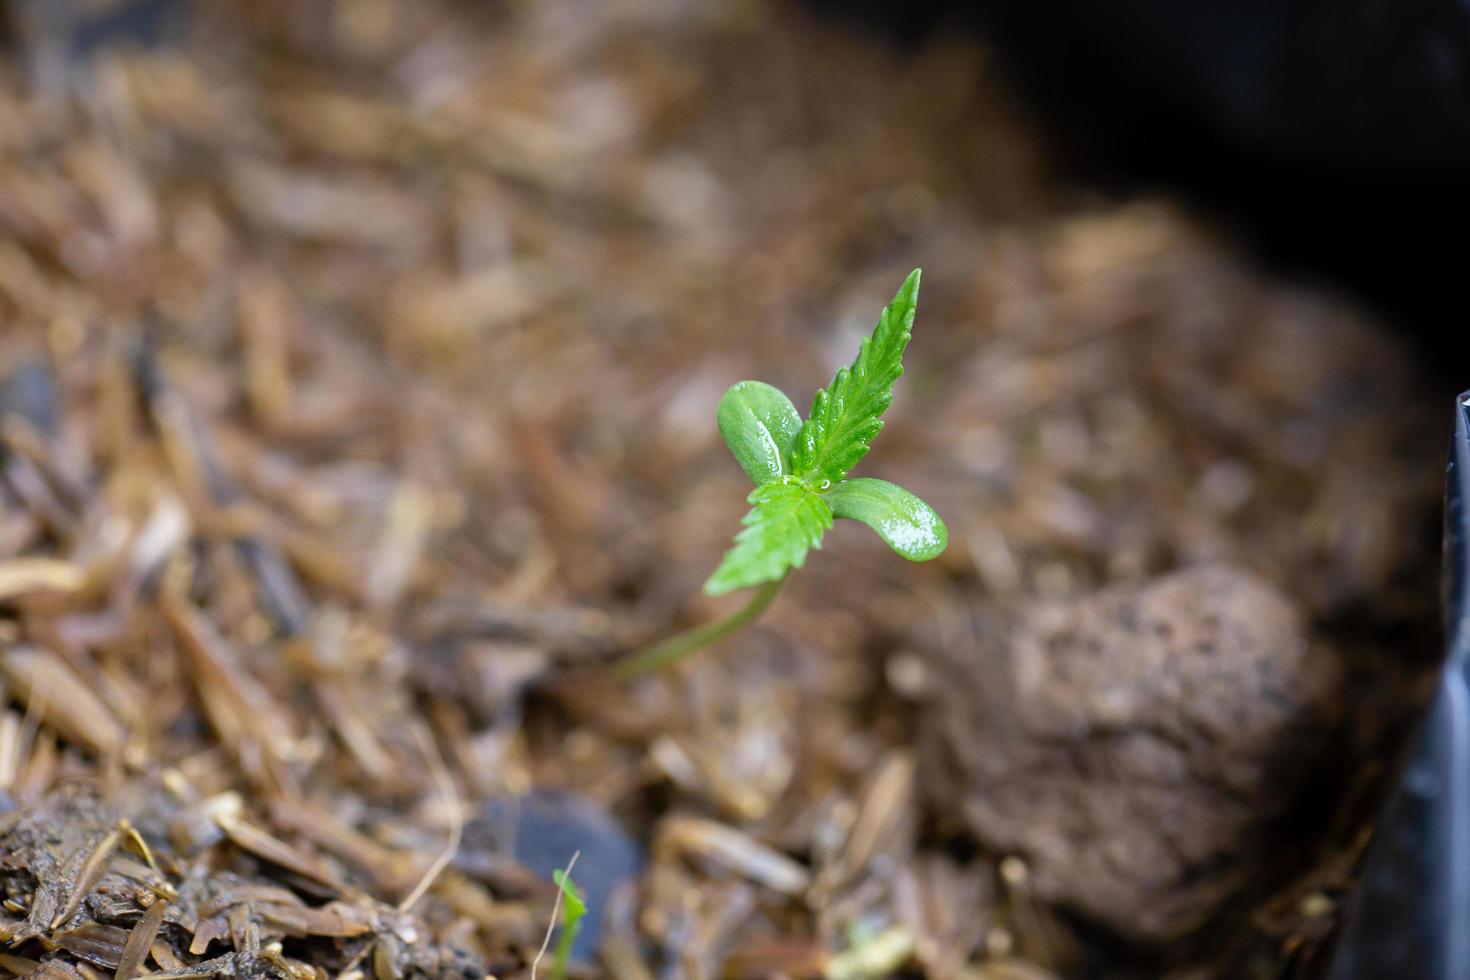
(359, 373)
(1136, 745)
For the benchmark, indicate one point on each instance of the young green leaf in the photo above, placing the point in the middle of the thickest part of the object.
(573, 910)
(573, 907)
(785, 521)
(847, 414)
(906, 523)
(758, 423)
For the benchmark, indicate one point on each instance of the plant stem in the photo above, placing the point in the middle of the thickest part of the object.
(672, 649)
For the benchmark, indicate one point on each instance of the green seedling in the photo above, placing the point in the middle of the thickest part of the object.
(573, 911)
(800, 469)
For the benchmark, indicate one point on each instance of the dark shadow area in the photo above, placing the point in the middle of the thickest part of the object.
(1331, 139)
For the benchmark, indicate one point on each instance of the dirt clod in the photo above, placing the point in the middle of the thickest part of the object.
(1132, 745)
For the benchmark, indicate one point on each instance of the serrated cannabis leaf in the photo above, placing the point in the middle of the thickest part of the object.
(847, 414)
(906, 523)
(758, 423)
(785, 521)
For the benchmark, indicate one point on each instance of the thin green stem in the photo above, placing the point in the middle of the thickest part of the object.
(672, 649)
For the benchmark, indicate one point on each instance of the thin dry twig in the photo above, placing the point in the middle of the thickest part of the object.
(445, 782)
(555, 913)
(30, 722)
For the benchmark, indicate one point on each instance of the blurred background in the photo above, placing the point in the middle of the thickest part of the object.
(358, 377)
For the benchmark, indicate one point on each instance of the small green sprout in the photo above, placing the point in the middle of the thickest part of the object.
(800, 469)
(573, 910)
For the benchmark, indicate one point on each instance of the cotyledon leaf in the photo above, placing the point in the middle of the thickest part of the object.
(847, 414)
(784, 523)
(906, 523)
(758, 423)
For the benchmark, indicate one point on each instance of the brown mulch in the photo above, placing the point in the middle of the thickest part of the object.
(358, 362)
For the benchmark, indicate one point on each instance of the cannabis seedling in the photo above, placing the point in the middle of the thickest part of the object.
(800, 473)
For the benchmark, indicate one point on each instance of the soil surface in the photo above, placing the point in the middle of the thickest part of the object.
(358, 379)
